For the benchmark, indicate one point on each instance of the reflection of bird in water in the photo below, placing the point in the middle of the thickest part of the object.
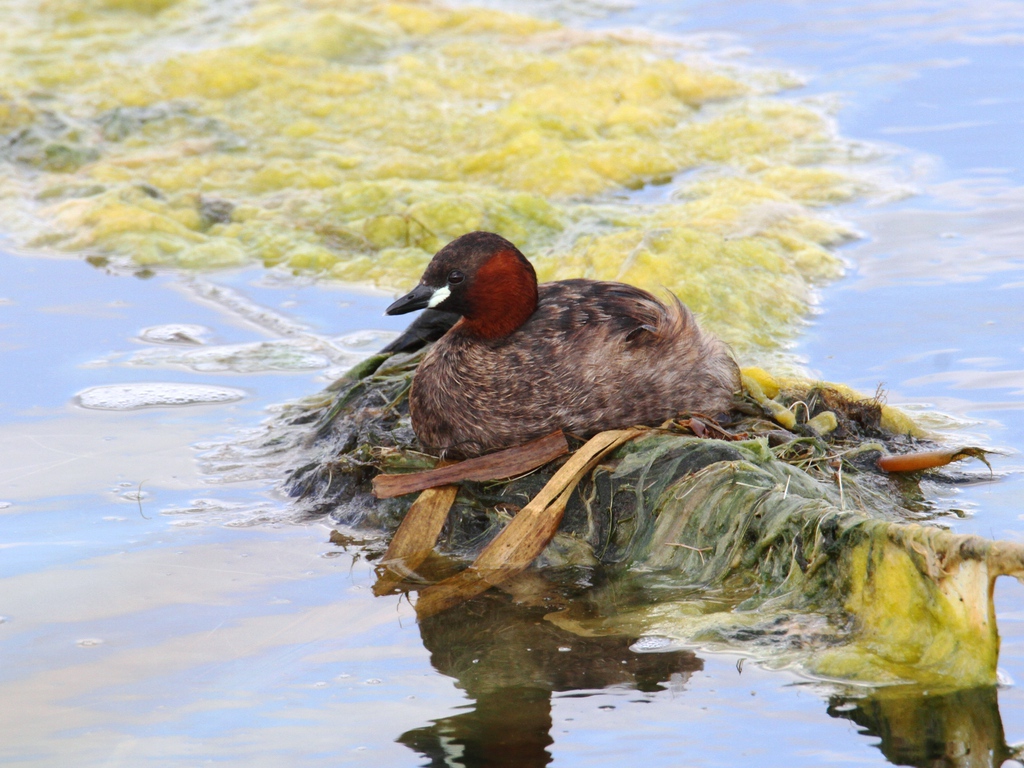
(526, 360)
(510, 660)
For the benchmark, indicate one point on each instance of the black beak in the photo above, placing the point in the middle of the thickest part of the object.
(417, 298)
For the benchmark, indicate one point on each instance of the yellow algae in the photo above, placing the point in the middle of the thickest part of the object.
(810, 185)
(213, 255)
(759, 383)
(425, 20)
(15, 114)
(824, 423)
(931, 624)
(329, 36)
(785, 416)
(744, 288)
(899, 422)
(765, 388)
(140, 6)
(355, 139)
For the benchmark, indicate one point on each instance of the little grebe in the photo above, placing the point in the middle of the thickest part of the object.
(526, 359)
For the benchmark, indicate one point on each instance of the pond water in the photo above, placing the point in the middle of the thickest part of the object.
(154, 613)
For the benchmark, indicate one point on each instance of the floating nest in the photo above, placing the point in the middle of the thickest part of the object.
(790, 532)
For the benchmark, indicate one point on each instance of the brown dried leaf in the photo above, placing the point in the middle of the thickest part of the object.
(494, 466)
(415, 538)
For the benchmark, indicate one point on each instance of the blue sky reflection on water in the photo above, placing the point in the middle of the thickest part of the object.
(246, 645)
(66, 317)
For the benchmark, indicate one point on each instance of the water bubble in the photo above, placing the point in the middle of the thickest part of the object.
(374, 681)
(651, 644)
(88, 642)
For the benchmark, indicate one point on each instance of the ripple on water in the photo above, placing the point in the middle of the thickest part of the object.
(127, 397)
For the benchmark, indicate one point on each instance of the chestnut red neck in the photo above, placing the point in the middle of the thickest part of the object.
(501, 297)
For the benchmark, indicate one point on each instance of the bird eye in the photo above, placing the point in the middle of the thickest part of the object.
(455, 277)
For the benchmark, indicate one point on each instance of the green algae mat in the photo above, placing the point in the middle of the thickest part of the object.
(352, 139)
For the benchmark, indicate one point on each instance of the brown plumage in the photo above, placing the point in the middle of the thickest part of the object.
(578, 355)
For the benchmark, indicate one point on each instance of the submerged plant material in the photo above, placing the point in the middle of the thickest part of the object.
(354, 139)
(128, 397)
(770, 538)
(278, 355)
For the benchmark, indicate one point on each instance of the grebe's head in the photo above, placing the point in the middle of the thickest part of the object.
(482, 277)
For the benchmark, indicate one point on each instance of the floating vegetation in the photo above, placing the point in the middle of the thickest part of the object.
(175, 333)
(352, 140)
(281, 355)
(127, 397)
